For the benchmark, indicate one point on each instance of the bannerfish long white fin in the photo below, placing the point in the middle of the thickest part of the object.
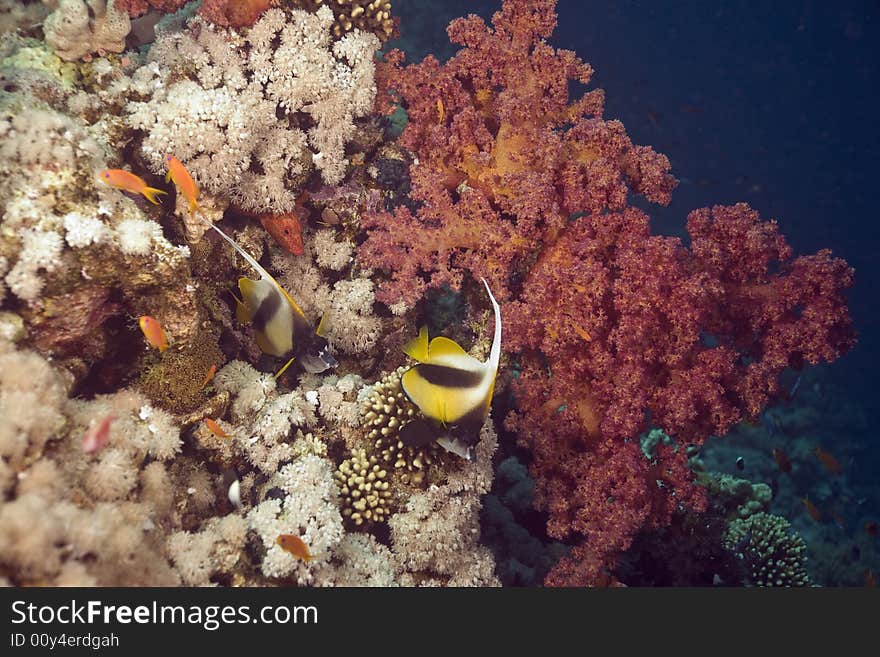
(449, 385)
(276, 317)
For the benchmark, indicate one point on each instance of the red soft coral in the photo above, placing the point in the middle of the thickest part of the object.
(615, 329)
(505, 156)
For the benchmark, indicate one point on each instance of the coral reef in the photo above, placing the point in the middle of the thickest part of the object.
(251, 115)
(203, 464)
(775, 555)
(77, 28)
(518, 184)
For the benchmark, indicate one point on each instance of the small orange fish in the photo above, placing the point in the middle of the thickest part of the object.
(582, 332)
(441, 112)
(153, 332)
(870, 580)
(210, 375)
(215, 428)
(782, 460)
(812, 509)
(185, 184)
(871, 528)
(126, 180)
(295, 546)
(97, 436)
(832, 464)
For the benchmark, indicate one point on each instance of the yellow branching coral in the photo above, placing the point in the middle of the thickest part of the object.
(365, 492)
(388, 411)
(370, 16)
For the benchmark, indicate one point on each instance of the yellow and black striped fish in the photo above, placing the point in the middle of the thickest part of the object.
(281, 328)
(452, 389)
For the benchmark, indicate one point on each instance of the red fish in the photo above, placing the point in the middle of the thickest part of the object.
(871, 528)
(215, 428)
(812, 509)
(870, 580)
(295, 546)
(126, 180)
(153, 332)
(97, 436)
(286, 229)
(782, 460)
(831, 463)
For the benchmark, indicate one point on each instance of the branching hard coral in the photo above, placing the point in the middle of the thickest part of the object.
(774, 554)
(364, 489)
(367, 15)
(80, 27)
(387, 411)
(516, 183)
(217, 97)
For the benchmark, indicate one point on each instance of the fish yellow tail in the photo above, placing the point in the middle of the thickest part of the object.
(150, 193)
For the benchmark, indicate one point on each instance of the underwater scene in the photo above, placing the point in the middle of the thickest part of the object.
(421, 293)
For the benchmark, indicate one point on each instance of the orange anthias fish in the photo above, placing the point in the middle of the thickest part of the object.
(832, 464)
(870, 580)
(153, 332)
(871, 528)
(126, 180)
(215, 428)
(210, 375)
(185, 184)
(295, 546)
(782, 460)
(97, 436)
(812, 509)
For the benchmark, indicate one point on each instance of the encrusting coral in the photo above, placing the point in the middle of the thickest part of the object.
(80, 27)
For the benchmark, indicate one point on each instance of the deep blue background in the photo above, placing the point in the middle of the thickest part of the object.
(775, 104)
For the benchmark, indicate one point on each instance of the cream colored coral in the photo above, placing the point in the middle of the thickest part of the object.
(438, 534)
(226, 104)
(310, 511)
(365, 491)
(79, 27)
(387, 410)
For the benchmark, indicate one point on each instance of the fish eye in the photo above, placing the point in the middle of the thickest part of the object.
(106, 174)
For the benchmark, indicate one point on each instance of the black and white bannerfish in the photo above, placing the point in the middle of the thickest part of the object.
(452, 389)
(281, 328)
